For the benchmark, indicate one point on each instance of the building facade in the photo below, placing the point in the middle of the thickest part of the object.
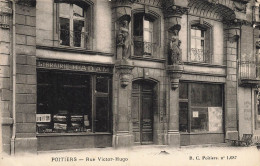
(120, 73)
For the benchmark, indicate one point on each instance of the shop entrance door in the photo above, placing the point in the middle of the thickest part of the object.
(142, 112)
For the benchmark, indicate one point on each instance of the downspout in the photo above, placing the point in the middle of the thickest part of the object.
(14, 81)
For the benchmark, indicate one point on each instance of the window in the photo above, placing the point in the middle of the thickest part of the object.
(257, 113)
(200, 43)
(72, 102)
(74, 25)
(200, 108)
(146, 35)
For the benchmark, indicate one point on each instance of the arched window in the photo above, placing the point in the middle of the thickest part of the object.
(146, 35)
(74, 24)
(200, 43)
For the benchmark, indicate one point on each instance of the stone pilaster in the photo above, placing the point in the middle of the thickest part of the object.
(5, 76)
(25, 140)
(123, 68)
(231, 48)
(173, 14)
(122, 136)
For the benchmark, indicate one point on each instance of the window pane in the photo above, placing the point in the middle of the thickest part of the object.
(183, 91)
(257, 117)
(64, 9)
(146, 24)
(102, 84)
(199, 119)
(102, 114)
(64, 31)
(79, 34)
(183, 117)
(206, 95)
(198, 33)
(193, 32)
(68, 103)
(78, 11)
(202, 33)
(138, 25)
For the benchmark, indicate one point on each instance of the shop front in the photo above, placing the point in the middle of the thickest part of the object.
(201, 113)
(73, 105)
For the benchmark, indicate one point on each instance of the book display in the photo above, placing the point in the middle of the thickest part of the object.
(43, 123)
(76, 123)
(60, 123)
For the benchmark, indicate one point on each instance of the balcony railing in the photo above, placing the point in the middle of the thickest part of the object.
(73, 38)
(144, 48)
(249, 72)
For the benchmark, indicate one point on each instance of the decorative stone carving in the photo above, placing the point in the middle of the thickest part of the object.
(5, 13)
(124, 69)
(123, 37)
(174, 10)
(175, 52)
(240, 7)
(175, 72)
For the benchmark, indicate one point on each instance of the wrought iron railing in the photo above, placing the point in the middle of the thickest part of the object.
(73, 38)
(144, 48)
(249, 70)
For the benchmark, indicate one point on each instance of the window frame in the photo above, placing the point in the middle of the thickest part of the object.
(190, 106)
(87, 6)
(257, 111)
(208, 41)
(155, 20)
(53, 110)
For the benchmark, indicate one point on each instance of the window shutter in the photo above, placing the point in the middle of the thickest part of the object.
(156, 38)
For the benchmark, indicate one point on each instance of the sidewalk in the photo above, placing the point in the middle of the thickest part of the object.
(207, 155)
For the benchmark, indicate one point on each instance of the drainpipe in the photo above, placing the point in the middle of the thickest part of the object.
(14, 80)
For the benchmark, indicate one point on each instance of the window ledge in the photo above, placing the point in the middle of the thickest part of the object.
(71, 134)
(204, 64)
(148, 59)
(199, 133)
(74, 50)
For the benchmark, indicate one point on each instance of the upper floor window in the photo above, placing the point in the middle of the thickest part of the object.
(200, 43)
(74, 25)
(145, 35)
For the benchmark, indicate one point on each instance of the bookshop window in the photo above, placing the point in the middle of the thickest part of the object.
(200, 108)
(66, 103)
(74, 24)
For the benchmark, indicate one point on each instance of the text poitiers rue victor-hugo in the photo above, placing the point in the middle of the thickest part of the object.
(88, 159)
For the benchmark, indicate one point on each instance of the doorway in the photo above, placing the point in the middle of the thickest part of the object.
(143, 112)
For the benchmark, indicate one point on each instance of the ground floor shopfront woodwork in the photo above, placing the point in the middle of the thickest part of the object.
(74, 108)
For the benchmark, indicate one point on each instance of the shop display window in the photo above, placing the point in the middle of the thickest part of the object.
(200, 108)
(69, 102)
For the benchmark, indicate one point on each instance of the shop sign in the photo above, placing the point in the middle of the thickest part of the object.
(74, 67)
